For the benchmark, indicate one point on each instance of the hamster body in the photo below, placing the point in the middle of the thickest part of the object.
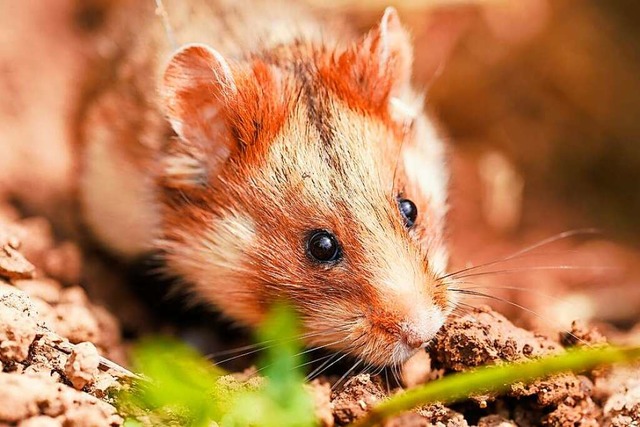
(277, 158)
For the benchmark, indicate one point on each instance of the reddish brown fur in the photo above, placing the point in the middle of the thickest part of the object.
(261, 105)
(294, 137)
(275, 264)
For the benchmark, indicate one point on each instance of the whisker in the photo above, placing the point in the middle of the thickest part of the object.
(368, 369)
(264, 344)
(257, 371)
(321, 347)
(306, 351)
(313, 361)
(318, 369)
(386, 379)
(217, 363)
(521, 307)
(516, 288)
(378, 370)
(538, 268)
(255, 348)
(323, 368)
(527, 250)
(468, 307)
(396, 373)
(337, 384)
(459, 312)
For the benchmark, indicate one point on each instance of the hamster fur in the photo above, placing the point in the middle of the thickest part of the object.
(265, 128)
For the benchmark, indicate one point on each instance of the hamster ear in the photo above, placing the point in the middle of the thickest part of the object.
(394, 48)
(196, 85)
(382, 59)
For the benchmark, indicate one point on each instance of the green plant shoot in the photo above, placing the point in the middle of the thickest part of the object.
(282, 401)
(495, 379)
(183, 388)
(179, 385)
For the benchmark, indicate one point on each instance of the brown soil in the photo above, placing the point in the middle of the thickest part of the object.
(51, 335)
(56, 347)
(485, 337)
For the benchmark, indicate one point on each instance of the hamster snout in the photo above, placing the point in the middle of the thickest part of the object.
(404, 320)
(421, 326)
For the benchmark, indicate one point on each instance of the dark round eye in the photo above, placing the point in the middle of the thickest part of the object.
(409, 211)
(323, 246)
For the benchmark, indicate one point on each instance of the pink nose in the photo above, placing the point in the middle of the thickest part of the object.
(421, 326)
(415, 340)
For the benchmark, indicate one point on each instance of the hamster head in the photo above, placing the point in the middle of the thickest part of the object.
(309, 174)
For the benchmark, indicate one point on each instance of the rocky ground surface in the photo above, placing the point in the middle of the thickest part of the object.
(61, 354)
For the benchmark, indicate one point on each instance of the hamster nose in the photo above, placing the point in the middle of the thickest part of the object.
(421, 326)
(415, 340)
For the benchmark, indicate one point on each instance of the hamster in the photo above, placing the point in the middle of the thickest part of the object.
(273, 156)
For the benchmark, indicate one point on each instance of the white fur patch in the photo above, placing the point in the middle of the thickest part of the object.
(422, 325)
(228, 238)
(425, 321)
(214, 262)
(424, 163)
(425, 167)
(402, 110)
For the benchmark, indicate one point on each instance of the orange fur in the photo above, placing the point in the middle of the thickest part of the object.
(298, 135)
(368, 73)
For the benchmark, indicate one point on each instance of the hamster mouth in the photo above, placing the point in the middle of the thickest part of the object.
(403, 352)
(393, 351)
(381, 346)
(378, 337)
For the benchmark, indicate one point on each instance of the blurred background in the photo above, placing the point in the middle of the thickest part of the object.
(538, 100)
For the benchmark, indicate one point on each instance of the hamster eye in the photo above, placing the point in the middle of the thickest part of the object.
(323, 246)
(409, 211)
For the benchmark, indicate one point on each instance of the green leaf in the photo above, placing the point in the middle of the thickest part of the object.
(180, 383)
(183, 388)
(283, 401)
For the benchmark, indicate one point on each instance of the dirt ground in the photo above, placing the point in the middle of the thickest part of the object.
(58, 352)
(541, 119)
